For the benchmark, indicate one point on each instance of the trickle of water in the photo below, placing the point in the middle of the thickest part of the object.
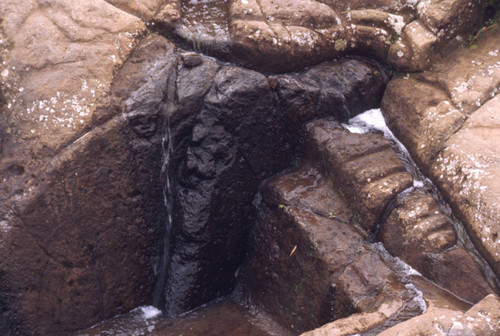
(205, 23)
(373, 121)
(167, 150)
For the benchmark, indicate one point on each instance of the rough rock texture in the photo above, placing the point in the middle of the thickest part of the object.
(90, 166)
(83, 168)
(237, 125)
(467, 171)
(427, 112)
(302, 243)
(482, 319)
(80, 219)
(436, 300)
(310, 263)
(285, 35)
(363, 167)
(421, 235)
(340, 89)
(227, 123)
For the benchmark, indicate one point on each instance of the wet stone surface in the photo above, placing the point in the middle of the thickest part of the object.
(217, 319)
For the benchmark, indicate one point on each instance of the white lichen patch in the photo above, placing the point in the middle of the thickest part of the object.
(397, 23)
(304, 38)
(61, 111)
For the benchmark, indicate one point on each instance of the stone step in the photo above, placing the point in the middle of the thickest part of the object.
(364, 168)
(421, 235)
(311, 262)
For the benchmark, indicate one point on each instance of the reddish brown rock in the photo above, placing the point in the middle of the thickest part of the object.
(302, 242)
(369, 285)
(417, 232)
(80, 221)
(363, 167)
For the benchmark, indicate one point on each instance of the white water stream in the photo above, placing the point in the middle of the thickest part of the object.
(372, 121)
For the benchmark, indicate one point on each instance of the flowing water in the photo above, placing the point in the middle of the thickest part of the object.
(226, 317)
(205, 23)
(372, 121)
(167, 149)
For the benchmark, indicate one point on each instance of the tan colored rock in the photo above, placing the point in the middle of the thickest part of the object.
(470, 76)
(467, 171)
(140, 8)
(482, 319)
(427, 113)
(351, 325)
(168, 14)
(449, 17)
(429, 117)
(414, 49)
(51, 94)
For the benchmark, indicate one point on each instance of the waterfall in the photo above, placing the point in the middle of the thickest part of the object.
(167, 150)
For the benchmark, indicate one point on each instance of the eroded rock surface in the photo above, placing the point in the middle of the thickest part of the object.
(80, 220)
(284, 35)
(481, 319)
(427, 112)
(310, 263)
(83, 136)
(364, 168)
(421, 235)
(227, 123)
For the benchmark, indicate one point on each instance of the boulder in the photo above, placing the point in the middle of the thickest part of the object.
(466, 170)
(363, 167)
(80, 221)
(420, 234)
(302, 243)
(340, 89)
(481, 319)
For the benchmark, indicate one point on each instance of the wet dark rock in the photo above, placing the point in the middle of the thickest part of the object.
(339, 89)
(229, 132)
(192, 60)
(302, 242)
(81, 243)
(363, 167)
(310, 262)
(237, 126)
